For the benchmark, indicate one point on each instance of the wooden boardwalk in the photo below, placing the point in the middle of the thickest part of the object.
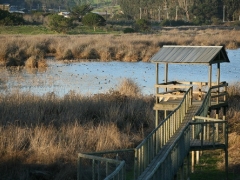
(187, 128)
(188, 117)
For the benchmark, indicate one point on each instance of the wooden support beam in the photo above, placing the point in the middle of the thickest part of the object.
(218, 80)
(217, 127)
(157, 91)
(193, 161)
(226, 152)
(166, 74)
(210, 80)
(157, 118)
(210, 76)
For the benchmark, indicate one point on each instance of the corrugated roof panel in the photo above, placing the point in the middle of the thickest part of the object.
(188, 54)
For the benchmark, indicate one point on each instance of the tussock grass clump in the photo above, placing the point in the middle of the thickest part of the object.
(41, 63)
(35, 62)
(31, 62)
(129, 87)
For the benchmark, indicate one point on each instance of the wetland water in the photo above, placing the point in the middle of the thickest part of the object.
(99, 77)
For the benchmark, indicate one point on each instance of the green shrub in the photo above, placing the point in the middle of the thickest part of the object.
(9, 19)
(234, 23)
(59, 23)
(216, 21)
(167, 22)
(142, 25)
(93, 20)
(128, 30)
(79, 11)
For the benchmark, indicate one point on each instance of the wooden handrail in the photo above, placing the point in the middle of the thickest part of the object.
(153, 143)
(118, 172)
(172, 86)
(207, 118)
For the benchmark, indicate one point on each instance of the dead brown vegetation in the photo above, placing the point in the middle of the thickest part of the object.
(16, 49)
(41, 136)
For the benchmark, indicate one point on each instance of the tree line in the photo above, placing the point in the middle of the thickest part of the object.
(188, 11)
(54, 4)
(199, 11)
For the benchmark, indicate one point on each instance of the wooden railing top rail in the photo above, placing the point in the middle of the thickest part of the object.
(172, 86)
(200, 83)
(120, 166)
(205, 104)
(219, 121)
(187, 83)
(110, 152)
(207, 118)
(117, 170)
(98, 158)
(223, 84)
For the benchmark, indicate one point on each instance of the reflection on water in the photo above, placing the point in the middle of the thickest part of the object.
(99, 77)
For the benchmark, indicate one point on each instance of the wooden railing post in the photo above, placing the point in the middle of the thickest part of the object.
(135, 163)
(226, 151)
(93, 169)
(79, 168)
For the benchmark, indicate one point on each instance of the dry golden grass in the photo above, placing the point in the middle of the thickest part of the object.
(16, 49)
(41, 136)
(31, 62)
(129, 87)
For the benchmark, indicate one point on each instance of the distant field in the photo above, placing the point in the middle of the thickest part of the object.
(40, 29)
(25, 29)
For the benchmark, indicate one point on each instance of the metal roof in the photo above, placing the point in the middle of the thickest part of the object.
(191, 54)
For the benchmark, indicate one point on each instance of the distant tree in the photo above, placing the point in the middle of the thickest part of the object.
(231, 7)
(204, 10)
(93, 20)
(130, 8)
(142, 25)
(59, 23)
(79, 11)
(185, 5)
(9, 19)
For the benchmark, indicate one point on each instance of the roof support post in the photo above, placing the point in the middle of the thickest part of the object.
(218, 80)
(157, 73)
(210, 81)
(166, 74)
(210, 76)
(157, 90)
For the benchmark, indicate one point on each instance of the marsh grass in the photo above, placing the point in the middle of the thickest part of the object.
(16, 49)
(41, 136)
